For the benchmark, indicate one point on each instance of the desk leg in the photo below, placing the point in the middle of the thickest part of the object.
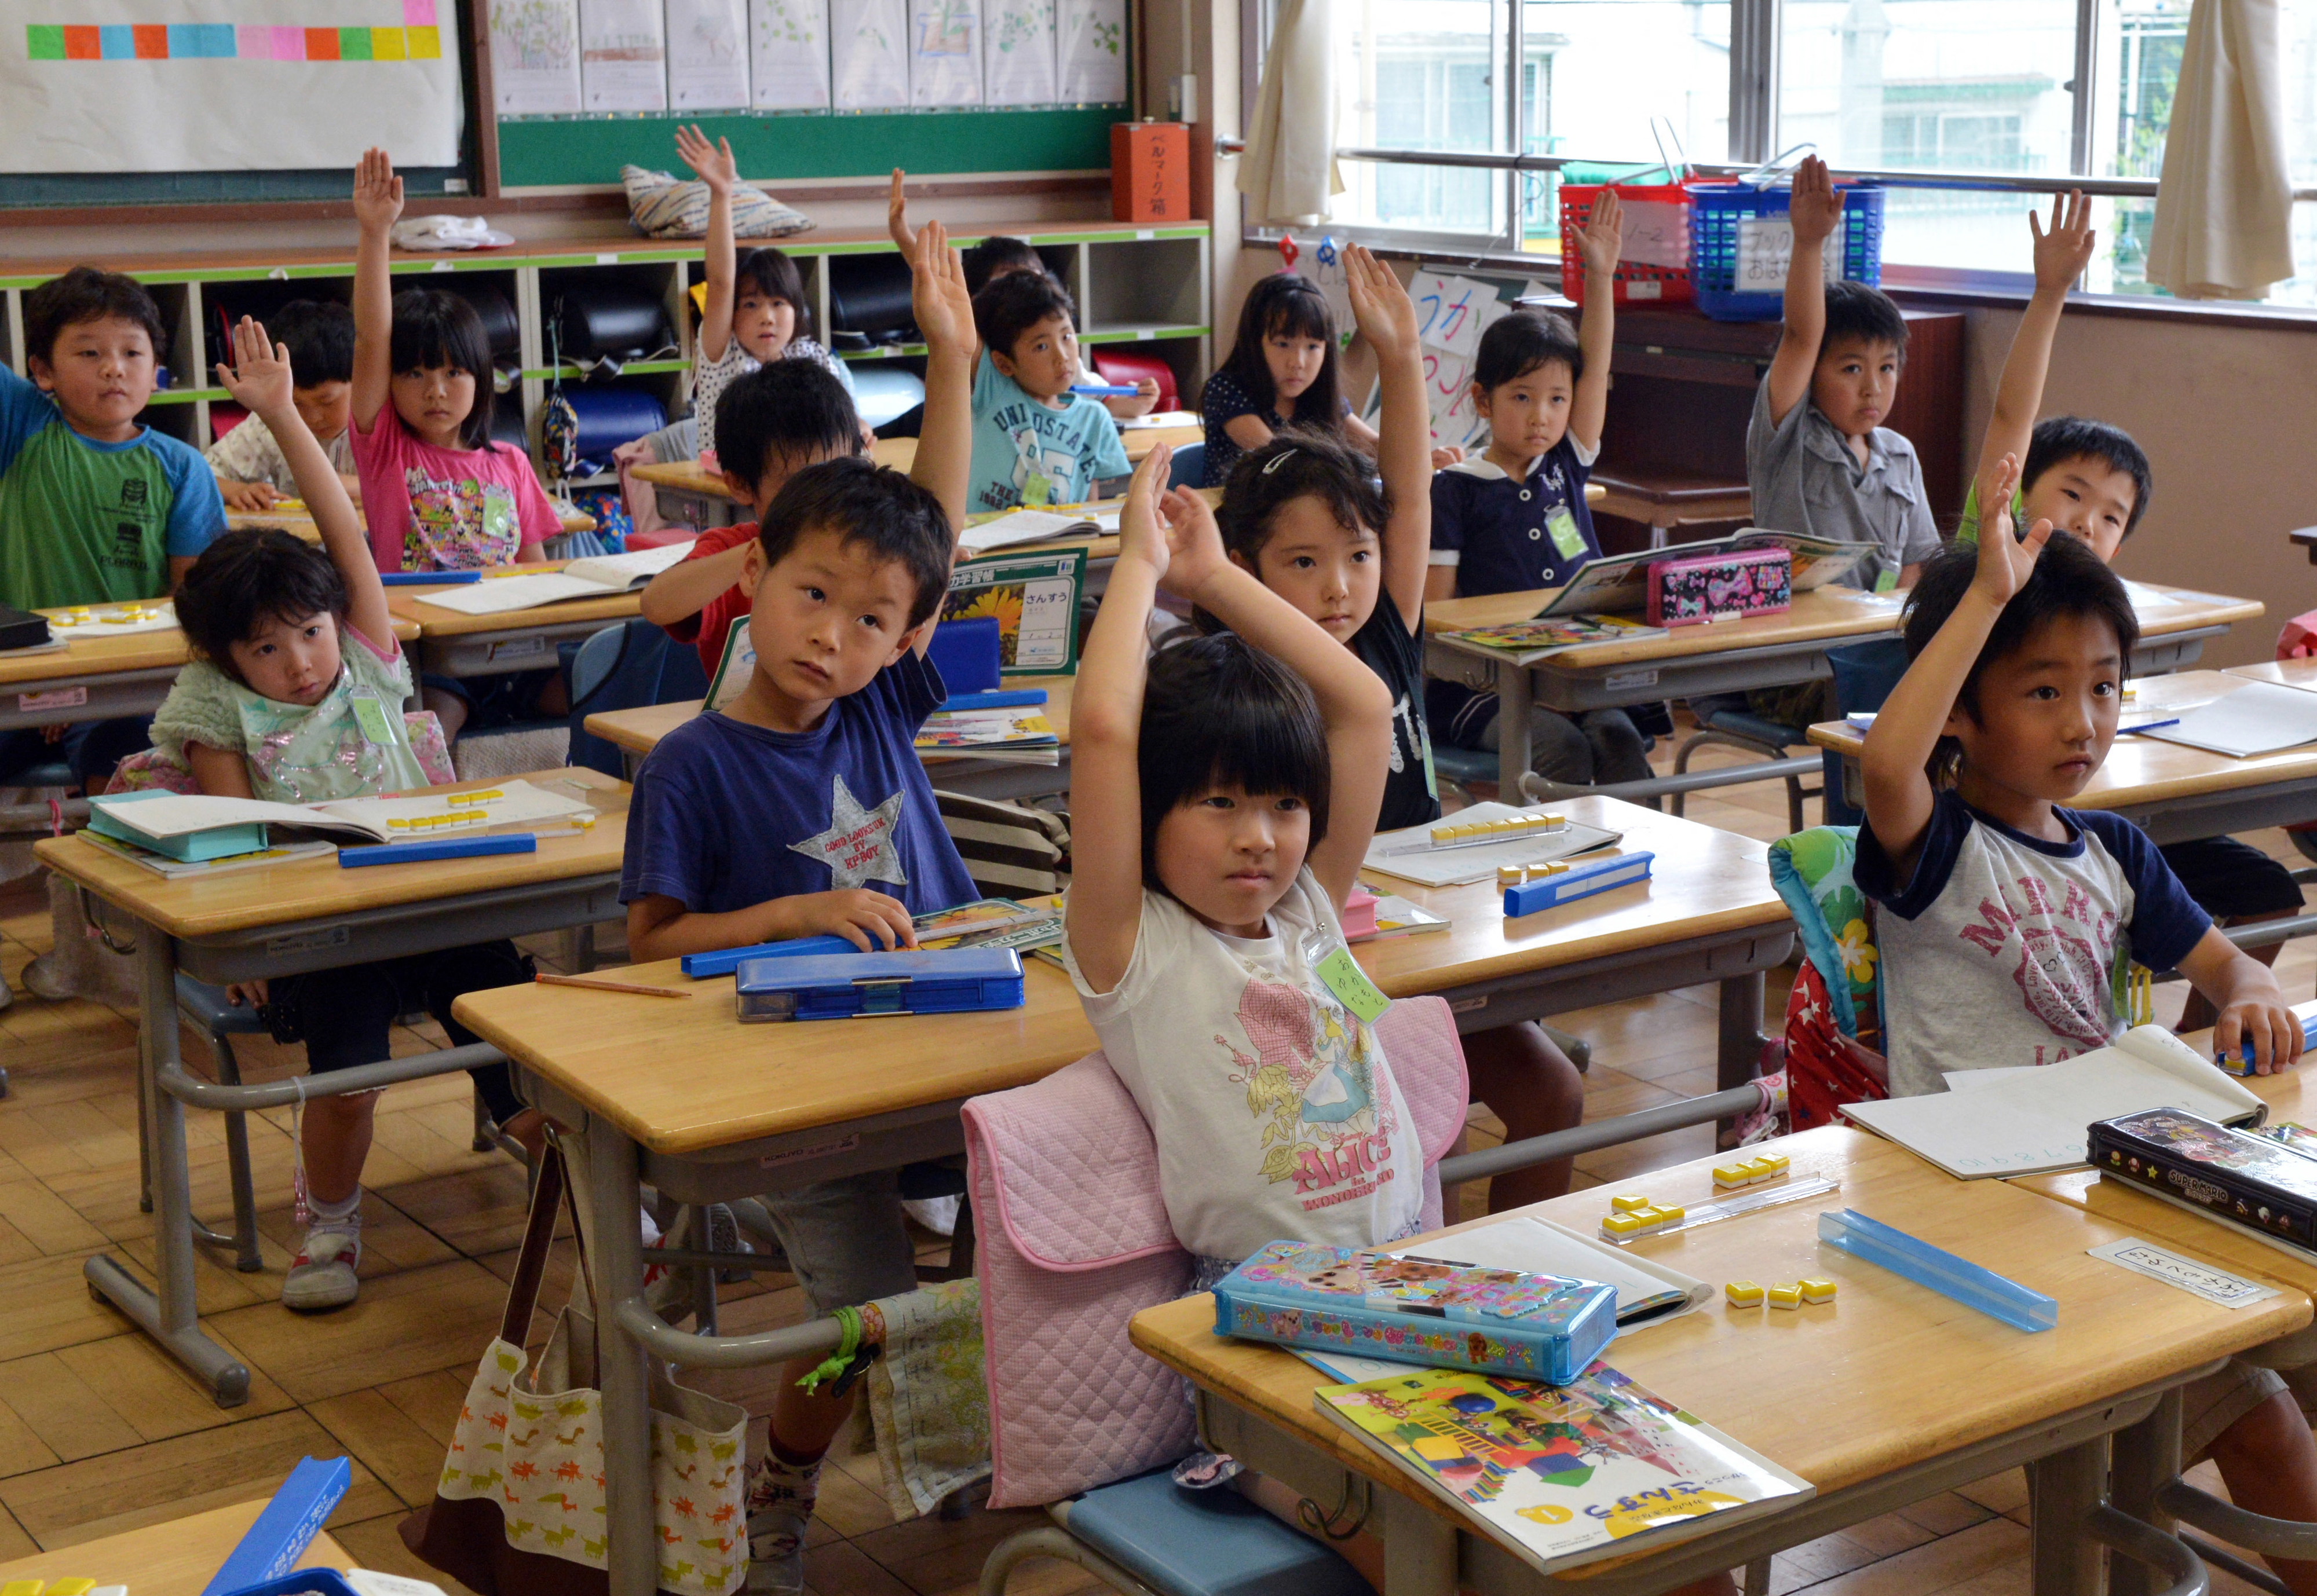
(1738, 1049)
(1419, 1548)
(614, 1199)
(2063, 1490)
(1514, 696)
(169, 1318)
(2146, 1457)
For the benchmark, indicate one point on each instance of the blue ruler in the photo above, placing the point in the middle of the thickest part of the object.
(1100, 391)
(522, 841)
(427, 578)
(1941, 1271)
(1579, 880)
(286, 1528)
(1012, 698)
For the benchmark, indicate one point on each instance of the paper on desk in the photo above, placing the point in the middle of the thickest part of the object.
(504, 594)
(1033, 526)
(517, 803)
(2033, 1119)
(1161, 418)
(2144, 597)
(1452, 867)
(1540, 1246)
(108, 620)
(2258, 718)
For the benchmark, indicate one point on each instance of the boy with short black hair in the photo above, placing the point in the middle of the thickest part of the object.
(1817, 458)
(802, 809)
(2008, 919)
(251, 471)
(1035, 441)
(96, 507)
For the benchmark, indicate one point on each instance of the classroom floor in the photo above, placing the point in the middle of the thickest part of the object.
(100, 1433)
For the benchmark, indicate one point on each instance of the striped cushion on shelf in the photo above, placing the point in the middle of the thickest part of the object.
(660, 207)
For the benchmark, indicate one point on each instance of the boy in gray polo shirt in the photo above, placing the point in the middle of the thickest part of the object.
(1818, 459)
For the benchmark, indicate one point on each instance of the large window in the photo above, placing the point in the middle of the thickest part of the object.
(1949, 89)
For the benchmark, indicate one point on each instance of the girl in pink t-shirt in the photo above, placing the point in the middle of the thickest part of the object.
(438, 494)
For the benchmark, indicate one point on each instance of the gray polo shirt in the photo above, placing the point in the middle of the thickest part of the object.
(1805, 479)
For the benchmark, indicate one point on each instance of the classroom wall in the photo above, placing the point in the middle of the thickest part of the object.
(2229, 418)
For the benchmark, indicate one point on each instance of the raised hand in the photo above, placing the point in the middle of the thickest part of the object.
(259, 378)
(897, 214)
(1603, 238)
(1194, 543)
(378, 192)
(2062, 253)
(937, 297)
(2005, 558)
(712, 162)
(1380, 304)
(1815, 208)
(1140, 536)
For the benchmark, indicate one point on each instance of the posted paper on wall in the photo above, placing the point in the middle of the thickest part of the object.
(944, 52)
(535, 58)
(788, 65)
(1017, 52)
(1092, 51)
(869, 56)
(622, 55)
(707, 54)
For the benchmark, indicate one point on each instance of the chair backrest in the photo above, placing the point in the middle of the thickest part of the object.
(1073, 1240)
(1010, 850)
(1834, 1013)
(1865, 672)
(626, 666)
(1188, 467)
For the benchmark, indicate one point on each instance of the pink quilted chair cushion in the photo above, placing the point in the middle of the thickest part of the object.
(1074, 1241)
(153, 769)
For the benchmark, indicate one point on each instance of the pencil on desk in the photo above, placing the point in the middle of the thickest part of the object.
(544, 979)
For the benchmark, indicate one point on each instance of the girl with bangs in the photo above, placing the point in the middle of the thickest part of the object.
(1282, 372)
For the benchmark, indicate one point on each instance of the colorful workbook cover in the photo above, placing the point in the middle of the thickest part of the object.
(1562, 1475)
(1529, 638)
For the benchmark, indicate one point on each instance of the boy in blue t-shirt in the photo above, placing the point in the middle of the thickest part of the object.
(1515, 518)
(802, 808)
(1035, 441)
(96, 507)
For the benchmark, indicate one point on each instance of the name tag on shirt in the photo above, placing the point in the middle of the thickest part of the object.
(1341, 975)
(370, 716)
(1563, 525)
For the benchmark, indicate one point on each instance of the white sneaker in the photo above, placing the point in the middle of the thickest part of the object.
(322, 1275)
(936, 1214)
(780, 1508)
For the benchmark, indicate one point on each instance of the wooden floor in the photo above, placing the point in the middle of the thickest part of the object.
(100, 1433)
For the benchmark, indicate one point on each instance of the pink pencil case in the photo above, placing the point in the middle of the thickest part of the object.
(1720, 587)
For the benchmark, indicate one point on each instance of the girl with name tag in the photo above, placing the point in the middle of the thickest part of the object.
(295, 695)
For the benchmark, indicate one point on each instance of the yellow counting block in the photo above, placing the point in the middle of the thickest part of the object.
(1743, 1293)
(1774, 1163)
(1787, 1295)
(1729, 1176)
(1816, 1290)
(21, 1588)
(1617, 1227)
(1629, 1202)
(69, 1588)
(1669, 1213)
(1499, 830)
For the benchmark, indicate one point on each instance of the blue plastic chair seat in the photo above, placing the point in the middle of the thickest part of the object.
(1463, 764)
(207, 1007)
(1187, 467)
(1743, 723)
(1204, 1543)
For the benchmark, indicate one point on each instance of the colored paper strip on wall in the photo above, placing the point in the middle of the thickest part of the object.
(417, 40)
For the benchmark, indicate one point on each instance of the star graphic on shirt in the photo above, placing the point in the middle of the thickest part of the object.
(858, 845)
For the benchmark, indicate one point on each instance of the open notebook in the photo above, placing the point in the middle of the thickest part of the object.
(602, 576)
(2026, 1120)
(1036, 526)
(2258, 718)
(164, 820)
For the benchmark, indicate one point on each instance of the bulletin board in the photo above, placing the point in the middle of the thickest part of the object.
(113, 86)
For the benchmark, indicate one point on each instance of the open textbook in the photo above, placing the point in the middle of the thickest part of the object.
(600, 576)
(165, 821)
(2030, 1118)
(1622, 581)
(1027, 525)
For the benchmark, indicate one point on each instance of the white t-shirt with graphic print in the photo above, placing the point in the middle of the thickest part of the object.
(1274, 1109)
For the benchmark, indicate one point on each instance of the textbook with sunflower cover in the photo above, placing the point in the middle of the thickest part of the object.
(1036, 600)
(1562, 1476)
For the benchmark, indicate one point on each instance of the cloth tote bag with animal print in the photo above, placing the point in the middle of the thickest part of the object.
(519, 1508)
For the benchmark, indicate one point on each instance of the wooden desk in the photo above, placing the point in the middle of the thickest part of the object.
(173, 1559)
(1663, 500)
(100, 678)
(281, 919)
(452, 644)
(301, 524)
(2285, 672)
(1895, 1394)
(2173, 792)
(635, 733)
(683, 1095)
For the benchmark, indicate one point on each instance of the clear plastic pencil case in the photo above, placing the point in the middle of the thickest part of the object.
(1412, 1310)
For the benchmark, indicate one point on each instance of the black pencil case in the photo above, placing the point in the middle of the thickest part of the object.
(2232, 1174)
(19, 630)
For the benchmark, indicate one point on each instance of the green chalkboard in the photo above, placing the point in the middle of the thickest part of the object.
(539, 152)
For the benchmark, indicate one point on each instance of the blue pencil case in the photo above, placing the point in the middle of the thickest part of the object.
(724, 961)
(1411, 1309)
(860, 985)
(1568, 884)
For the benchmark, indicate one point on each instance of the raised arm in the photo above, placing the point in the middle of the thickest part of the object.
(1912, 720)
(715, 166)
(1387, 320)
(897, 216)
(1355, 706)
(1814, 210)
(260, 381)
(1602, 241)
(2061, 256)
(378, 203)
(945, 317)
(690, 585)
(1104, 907)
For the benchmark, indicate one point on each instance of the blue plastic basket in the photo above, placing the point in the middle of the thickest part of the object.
(1717, 212)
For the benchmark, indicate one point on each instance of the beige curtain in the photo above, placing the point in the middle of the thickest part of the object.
(1289, 169)
(2225, 203)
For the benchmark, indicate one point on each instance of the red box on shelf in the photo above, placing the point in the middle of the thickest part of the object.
(1150, 172)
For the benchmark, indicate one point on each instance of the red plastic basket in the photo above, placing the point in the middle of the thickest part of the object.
(1636, 283)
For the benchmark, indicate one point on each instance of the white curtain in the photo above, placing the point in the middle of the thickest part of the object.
(1289, 169)
(2224, 225)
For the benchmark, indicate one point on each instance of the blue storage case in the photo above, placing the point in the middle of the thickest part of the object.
(854, 985)
(1412, 1310)
(967, 654)
(1718, 210)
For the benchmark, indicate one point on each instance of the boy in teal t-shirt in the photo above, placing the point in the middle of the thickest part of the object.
(1035, 441)
(94, 506)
